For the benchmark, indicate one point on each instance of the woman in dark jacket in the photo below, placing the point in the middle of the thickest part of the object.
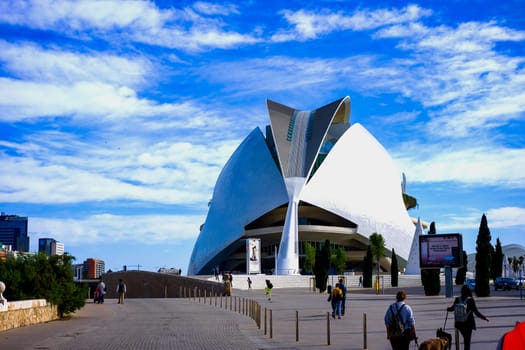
(465, 328)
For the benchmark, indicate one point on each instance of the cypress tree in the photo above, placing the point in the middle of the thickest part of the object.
(483, 259)
(430, 277)
(461, 274)
(496, 268)
(322, 264)
(368, 267)
(394, 270)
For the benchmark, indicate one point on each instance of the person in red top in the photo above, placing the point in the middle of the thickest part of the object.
(514, 339)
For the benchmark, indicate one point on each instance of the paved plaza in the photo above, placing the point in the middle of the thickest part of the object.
(193, 324)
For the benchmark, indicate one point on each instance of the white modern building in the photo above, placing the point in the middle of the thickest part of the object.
(313, 176)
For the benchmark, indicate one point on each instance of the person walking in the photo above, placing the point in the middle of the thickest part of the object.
(121, 291)
(268, 289)
(227, 286)
(330, 299)
(337, 297)
(465, 308)
(101, 287)
(342, 286)
(400, 312)
(360, 281)
(249, 283)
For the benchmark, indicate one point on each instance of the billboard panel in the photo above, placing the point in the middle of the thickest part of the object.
(253, 255)
(440, 250)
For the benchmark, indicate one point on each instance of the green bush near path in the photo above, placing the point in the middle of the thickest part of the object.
(41, 277)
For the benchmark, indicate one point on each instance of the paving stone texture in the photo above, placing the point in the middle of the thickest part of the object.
(193, 324)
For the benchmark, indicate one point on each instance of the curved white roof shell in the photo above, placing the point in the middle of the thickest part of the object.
(249, 185)
(359, 181)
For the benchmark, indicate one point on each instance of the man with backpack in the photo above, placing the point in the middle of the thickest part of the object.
(464, 308)
(337, 298)
(400, 323)
(343, 300)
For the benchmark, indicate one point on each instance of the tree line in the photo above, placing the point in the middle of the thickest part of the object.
(489, 263)
(43, 277)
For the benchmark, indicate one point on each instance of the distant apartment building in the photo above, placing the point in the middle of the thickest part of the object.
(77, 271)
(93, 268)
(50, 246)
(13, 232)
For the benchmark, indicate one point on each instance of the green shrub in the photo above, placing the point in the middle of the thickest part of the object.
(42, 277)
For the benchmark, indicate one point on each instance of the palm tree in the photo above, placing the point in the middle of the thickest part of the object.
(377, 244)
(515, 265)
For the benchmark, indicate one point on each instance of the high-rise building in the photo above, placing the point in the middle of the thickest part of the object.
(50, 246)
(13, 232)
(93, 268)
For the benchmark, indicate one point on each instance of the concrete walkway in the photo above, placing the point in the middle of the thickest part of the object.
(190, 324)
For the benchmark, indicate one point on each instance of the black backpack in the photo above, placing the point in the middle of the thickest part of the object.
(396, 328)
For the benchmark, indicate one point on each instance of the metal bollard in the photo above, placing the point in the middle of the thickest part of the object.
(271, 324)
(296, 325)
(328, 328)
(259, 315)
(364, 332)
(265, 321)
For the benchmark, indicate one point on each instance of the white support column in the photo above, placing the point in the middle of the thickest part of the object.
(288, 257)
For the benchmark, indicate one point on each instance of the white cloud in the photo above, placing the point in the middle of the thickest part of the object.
(310, 25)
(455, 72)
(31, 62)
(460, 76)
(83, 14)
(497, 166)
(109, 228)
(70, 171)
(25, 100)
(506, 217)
(209, 8)
(140, 21)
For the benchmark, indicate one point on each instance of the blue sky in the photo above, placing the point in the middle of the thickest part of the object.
(116, 117)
